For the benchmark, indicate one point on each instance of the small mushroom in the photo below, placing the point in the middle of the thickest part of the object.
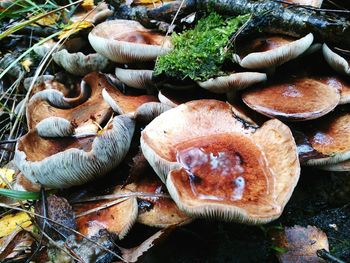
(135, 78)
(126, 41)
(328, 139)
(78, 63)
(337, 62)
(233, 82)
(93, 14)
(294, 98)
(67, 161)
(313, 3)
(215, 165)
(270, 51)
(91, 108)
(174, 98)
(156, 208)
(117, 218)
(337, 167)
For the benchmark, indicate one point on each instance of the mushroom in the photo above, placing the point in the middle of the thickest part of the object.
(66, 161)
(174, 98)
(135, 78)
(116, 217)
(337, 62)
(156, 208)
(326, 141)
(126, 41)
(93, 14)
(78, 63)
(294, 98)
(233, 82)
(337, 167)
(215, 164)
(270, 51)
(313, 3)
(91, 108)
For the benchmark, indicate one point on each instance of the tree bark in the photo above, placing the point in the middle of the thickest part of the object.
(268, 17)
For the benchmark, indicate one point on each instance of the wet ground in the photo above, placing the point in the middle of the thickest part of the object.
(321, 199)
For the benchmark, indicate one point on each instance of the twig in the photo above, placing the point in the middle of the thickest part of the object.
(314, 8)
(70, 229)
(109, 204)
(8, 141)
(118, 196)
(324, 254)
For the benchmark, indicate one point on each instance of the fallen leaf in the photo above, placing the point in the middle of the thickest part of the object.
(10, 223)
(88, 4)
(299, 244)
(48, 20)
(6, 176)
(74, 28)
(133, 254)
(59, 210)
(26, 64)
(15, 245)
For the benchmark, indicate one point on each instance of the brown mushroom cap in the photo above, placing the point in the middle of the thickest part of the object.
(174, 98)
(271, 51)
(126, 41)
(295, 98)
(337, 62)
(63, 162)
(215, 165)
(118, 218)
(330, 137)
(156, 211)
(85, 112)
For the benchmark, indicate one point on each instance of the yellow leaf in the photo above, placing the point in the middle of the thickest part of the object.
(8, 174)
(48, 20)
(74, 28)
(88, 4)
(26, 64)
(9, 223)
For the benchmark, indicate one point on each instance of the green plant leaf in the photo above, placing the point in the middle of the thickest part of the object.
(20, 195)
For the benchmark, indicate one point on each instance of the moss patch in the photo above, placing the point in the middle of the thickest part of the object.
(199, 53)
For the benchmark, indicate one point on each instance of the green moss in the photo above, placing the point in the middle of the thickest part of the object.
(199, 53)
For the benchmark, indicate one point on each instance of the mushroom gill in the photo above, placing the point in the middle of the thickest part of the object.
(217, 165)
(270, 51)
(66, 161)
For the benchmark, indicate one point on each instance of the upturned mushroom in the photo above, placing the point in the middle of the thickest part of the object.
(217, 165)
(78, 63)
(270, 51)
(156, 208)
(126, 41)
(325, 141)
(66, 161)
(92, 107)
(116, 216)
(339, 63)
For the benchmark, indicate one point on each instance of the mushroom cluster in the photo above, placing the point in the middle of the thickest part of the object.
(229, 147)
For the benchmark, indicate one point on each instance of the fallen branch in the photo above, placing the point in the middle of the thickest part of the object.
(269, 17)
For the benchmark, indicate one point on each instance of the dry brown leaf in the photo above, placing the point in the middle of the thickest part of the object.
(59, 210)
(300, 244)
(6, 176)
(133, 254)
